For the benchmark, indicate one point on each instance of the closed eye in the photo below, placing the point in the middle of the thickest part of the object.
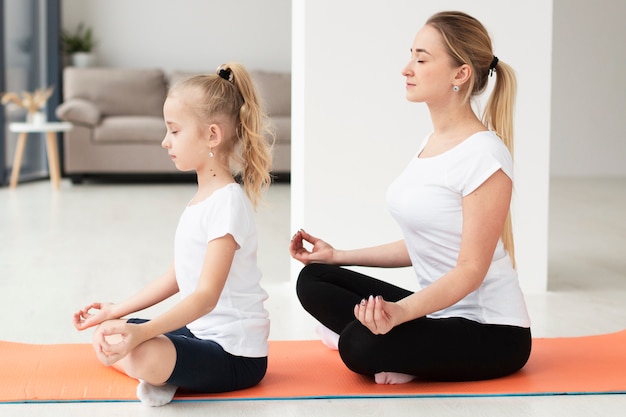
(419, 53)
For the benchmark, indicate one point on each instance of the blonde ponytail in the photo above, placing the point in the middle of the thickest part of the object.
(255, 136)
(498, 116)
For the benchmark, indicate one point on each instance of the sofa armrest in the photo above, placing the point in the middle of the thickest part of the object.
(79, 111)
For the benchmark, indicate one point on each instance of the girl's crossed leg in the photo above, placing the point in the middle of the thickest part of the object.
(179, 359)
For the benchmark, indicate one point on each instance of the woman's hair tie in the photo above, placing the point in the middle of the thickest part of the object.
(492, 66)
(226, 74)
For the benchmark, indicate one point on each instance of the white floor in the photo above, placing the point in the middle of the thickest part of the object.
(98, 241)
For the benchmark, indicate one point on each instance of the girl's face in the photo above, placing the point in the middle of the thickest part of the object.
(184, 140)
(430, 73)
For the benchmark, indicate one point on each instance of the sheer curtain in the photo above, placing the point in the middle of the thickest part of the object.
(29, 59)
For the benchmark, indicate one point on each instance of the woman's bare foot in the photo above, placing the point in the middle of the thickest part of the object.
(392, 378)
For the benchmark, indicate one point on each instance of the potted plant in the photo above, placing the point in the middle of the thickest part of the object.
(79, 45)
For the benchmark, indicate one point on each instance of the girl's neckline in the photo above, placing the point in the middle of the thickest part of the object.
(447, 151)
(191, 203)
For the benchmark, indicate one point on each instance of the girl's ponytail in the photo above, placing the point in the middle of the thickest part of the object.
(255, 138)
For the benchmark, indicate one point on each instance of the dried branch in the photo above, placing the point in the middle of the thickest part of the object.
(32, 102)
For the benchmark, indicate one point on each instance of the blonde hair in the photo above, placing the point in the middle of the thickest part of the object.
(229, 97)
(469, 43)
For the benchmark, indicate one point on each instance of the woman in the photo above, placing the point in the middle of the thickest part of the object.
(468, 321)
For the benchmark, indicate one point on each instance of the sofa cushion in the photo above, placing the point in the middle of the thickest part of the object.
(275, 91)
(117, 91)
(177, 76)
(130, 129)
(79, 111)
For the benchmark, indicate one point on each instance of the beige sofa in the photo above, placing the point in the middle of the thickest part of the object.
(118, 120)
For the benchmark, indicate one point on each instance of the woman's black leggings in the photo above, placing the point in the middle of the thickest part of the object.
(446, 349)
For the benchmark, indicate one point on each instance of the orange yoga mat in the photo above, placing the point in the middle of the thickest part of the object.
(308, 370)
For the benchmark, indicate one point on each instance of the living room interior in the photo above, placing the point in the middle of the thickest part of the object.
(110, 234)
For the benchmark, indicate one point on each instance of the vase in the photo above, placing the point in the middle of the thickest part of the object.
(36, 118)
(83, 59)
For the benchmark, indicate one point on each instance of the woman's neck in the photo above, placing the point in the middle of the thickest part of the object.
(452, 125)
(454, 122)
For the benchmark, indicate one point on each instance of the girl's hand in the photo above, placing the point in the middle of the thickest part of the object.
(114, 339)
(378, 315)
(322, 252)
(85, 318)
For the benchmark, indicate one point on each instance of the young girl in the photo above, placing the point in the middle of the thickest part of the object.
(215, 338)
(469, 320)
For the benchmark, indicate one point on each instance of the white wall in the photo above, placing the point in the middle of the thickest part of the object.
(354, 131)
(357, 129)
(589, 89)
(194, 35)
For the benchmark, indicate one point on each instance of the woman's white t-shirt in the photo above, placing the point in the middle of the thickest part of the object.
(239, 322)
(426, 202)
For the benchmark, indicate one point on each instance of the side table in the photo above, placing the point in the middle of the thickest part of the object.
(50, 129)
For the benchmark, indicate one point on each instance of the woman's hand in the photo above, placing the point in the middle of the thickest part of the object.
(322, 252)
(378, 315)
(114, 339)
(84, 318)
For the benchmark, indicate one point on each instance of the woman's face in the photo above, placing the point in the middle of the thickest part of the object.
(429, 73)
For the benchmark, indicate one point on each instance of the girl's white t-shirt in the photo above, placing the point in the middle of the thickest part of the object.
(426, 202)
(239, 322)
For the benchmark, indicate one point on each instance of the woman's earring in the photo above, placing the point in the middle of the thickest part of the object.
(211, 154)
(455, 88)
